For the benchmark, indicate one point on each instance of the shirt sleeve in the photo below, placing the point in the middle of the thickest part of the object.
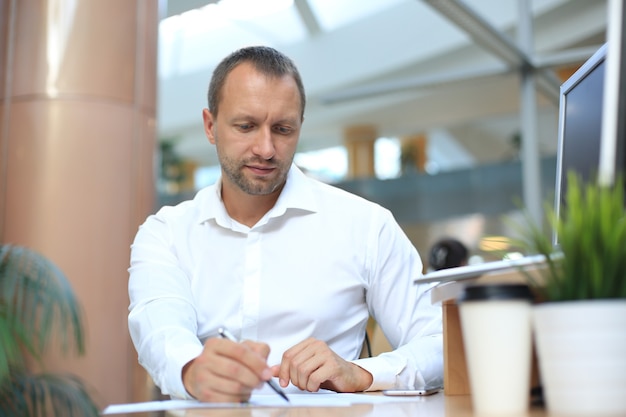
(162, 320)
(405, 313)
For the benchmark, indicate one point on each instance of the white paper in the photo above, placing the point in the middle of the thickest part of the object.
(258, 400)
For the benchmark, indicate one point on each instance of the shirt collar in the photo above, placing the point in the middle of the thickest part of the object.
(296, 194)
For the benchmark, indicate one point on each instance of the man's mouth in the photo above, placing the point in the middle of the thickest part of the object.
(261, 170)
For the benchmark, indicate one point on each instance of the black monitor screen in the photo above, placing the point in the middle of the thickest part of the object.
(582, 128)
(580, 124)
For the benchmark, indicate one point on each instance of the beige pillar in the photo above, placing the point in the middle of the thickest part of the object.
(189, 181)
(77, 134)
(359, 141)
(413, 152)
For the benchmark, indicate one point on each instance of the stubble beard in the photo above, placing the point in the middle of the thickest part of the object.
(235, 171)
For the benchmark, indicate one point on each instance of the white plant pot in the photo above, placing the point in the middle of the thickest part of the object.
(581, 348)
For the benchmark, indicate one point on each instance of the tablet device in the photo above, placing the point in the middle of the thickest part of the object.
(474, 271)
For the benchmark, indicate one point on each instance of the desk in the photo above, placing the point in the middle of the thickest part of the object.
(437, 405)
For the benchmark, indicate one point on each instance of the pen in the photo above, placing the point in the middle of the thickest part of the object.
(228, 335)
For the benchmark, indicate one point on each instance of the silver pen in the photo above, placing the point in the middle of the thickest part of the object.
(226, 334)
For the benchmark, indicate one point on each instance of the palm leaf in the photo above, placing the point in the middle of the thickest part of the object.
(45, 395)
(36, 303)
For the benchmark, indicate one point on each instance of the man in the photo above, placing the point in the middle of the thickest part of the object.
(292, 266)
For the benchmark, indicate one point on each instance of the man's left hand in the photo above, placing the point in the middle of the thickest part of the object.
(311, 365)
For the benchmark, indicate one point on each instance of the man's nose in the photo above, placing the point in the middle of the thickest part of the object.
(264, 144)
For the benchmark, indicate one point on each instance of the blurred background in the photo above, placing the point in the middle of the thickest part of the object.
(417, 105)
(444, 111)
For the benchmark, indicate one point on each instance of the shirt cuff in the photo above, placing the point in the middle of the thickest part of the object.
(384, 371)
(184, 354)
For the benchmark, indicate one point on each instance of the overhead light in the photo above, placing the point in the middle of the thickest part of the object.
(494, 244)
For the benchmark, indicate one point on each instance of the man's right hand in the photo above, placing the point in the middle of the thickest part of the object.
(227, 371)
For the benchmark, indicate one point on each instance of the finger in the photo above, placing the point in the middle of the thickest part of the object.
(316, 370)
(312, 376)
(220, 389)
(205, 385)
(245, 364)
(225, 368)
(286, 363)
(263, 349)
(305, 363)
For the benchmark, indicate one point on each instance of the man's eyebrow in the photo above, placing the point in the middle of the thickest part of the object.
(241, 116)
(289, 121)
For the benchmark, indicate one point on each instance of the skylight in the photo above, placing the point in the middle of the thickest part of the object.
(335, 14)
(199, 38)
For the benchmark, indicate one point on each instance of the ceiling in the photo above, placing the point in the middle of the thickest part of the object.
(446, 68)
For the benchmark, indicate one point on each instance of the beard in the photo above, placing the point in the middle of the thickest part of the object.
(250, 184)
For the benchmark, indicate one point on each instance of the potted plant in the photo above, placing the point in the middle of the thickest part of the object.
(580, 322)
(37, 307)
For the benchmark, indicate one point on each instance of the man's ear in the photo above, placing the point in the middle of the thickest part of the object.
(209, 125)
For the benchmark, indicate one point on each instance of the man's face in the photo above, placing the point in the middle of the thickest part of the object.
(256, 131)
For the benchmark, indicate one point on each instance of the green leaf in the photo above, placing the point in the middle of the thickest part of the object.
(591, 231)
(45, 395)
(37, 301)
(37, 307)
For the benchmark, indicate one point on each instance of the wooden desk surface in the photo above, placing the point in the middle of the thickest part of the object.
(438, 405)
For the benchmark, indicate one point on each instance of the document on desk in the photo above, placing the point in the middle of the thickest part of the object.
(331, 399)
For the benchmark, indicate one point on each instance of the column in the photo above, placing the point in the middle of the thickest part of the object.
(359, 141)
(413, 153)
(77, 136)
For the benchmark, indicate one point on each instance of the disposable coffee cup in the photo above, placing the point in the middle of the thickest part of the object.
(497, 335)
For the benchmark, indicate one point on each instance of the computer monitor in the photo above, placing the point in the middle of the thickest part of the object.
(592, 115)
(580, 125)
(592, 132)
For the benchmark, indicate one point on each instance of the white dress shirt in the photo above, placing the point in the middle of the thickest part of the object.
(316, 265)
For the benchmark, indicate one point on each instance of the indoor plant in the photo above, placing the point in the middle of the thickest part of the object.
(37, 307)
(580, 323)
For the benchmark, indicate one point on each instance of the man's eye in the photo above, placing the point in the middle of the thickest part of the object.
(283, 130)
(244, 126)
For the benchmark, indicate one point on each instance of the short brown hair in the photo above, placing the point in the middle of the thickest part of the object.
(264, 59)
